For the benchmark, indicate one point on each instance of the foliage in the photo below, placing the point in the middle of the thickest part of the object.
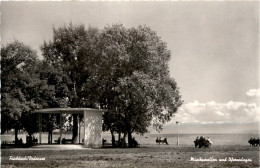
(124, 70)
(17, 64)
(71, 54)
(135, 83)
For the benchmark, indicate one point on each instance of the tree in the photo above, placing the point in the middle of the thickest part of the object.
(136, 79)
(52, 92)
(125, 70)
(71, 53)
(17, 65)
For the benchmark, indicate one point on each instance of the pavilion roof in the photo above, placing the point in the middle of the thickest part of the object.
(68, 110)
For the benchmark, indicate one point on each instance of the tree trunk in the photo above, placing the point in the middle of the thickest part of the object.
(113, 138)
(50, 137)
(125, 134)
(119, 139)
(16, 135)
(119, 136)
(75, 127)
(75, 103)
(30, 138)
(123, 141)
(130, 142)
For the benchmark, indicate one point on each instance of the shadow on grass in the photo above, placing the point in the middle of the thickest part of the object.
(117, 147)
(9, 146)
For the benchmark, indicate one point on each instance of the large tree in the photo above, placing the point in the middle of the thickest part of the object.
(18, 63)
(135, 79)
(125, 70)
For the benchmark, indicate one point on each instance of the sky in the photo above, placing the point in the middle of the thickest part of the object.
(214, 46)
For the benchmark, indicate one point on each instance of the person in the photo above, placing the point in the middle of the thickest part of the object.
(27, 139)
(165, 140)
(103, 141)
(135, 143)
(196, 142)
(20, 141)
(123, 143)
(209, 141)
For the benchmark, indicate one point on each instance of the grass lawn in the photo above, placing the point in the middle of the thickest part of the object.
(150, 156)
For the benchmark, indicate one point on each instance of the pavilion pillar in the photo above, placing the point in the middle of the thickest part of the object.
(40, 128)
(92, 129)
(79, 128)
(84, 123)
(60, 128)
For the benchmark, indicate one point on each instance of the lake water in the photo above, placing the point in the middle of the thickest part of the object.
(149, 139)
(187, 139)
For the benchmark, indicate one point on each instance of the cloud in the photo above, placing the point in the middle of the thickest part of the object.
(253, 92)
(213, 112)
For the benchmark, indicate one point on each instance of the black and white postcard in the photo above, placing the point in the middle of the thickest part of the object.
(130, 84)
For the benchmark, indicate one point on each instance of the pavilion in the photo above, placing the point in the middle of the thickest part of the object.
(92, 119)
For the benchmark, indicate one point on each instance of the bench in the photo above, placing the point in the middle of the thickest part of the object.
(8, 142)
(63, 141)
